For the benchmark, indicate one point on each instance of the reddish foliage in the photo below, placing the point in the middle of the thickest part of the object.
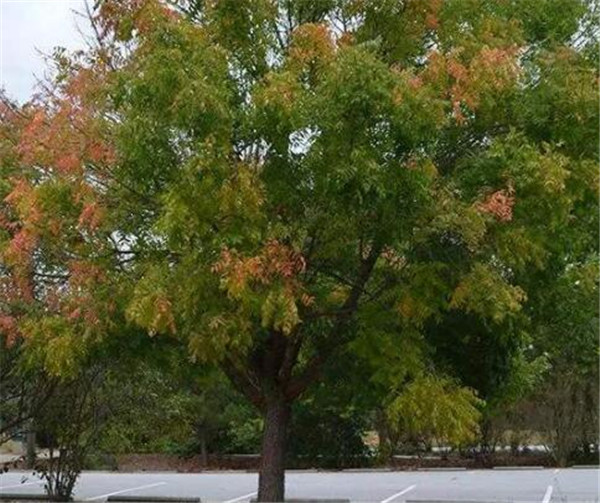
(53, 298)
(100, 152)
(457, 70)
(466, 81)
(275, 262)
(15, 289)
(32, 130)
(415, 83)
(63, 134)
(500, 204)
(91, 216)
(25, 287)
(21, 189)
(68, 163)
(20, 248)
(122, 16)
(85, 273)
(9, 329)
(55, 139)
(81, 308)
(346, 39)
(431, 21)
(312, 43)
(80, 305)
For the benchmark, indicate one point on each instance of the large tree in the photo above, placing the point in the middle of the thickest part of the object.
(266, 179)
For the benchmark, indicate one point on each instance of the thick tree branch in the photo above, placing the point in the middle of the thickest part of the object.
(291, 355)
(300, 382)
(243, 383)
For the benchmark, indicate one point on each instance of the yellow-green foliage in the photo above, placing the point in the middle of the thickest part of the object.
(55, 345)
(423, 294)
(280, 312)
(437, 409)
(150, 306)
(485, 292)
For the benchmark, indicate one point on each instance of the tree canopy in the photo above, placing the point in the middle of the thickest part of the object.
(266, 180)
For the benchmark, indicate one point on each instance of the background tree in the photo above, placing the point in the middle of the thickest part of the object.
(253, 177)
(99, 401)
(24, 391)
(567, 400)
(497, 360)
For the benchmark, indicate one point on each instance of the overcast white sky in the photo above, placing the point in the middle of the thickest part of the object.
(29, 26)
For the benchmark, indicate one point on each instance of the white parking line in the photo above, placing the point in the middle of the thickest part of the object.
(102, 496)
(241, 498)
(22, 485)
(394, 496)
(548, 495)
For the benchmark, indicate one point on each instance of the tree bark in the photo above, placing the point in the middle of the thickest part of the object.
(203, 449)
(271, 480)
(30, 455)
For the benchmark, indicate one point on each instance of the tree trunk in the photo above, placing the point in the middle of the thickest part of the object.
(203, 449)
(30, 454)
(271, 480)
(385, 448)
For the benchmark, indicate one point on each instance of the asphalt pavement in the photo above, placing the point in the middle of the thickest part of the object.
(514, 486)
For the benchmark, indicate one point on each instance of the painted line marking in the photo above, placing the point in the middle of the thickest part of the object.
(397, 495)
(548, 495)
(22, 485)
(241, 498)
(148, 486)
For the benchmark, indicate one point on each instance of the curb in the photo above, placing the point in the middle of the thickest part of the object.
(367, 470)
(518, 468)
(151, 499)
(315, 500)
(443, 469)
(23, 497)
(455, 501)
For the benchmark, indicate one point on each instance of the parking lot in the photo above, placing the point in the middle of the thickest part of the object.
(540, 486)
